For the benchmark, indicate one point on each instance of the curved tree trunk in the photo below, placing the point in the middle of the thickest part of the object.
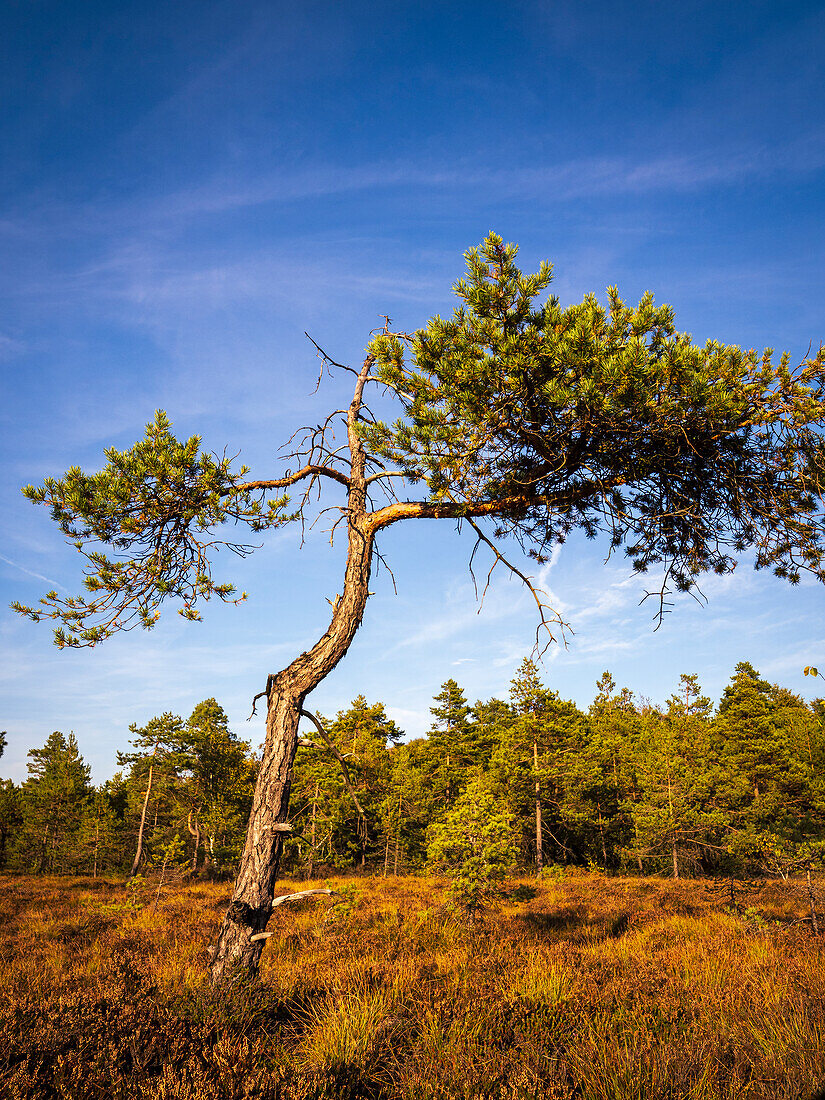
(139, 851)
(237, 953)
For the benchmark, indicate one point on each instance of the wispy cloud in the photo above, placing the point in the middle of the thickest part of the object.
(573, 179)
(31, 573)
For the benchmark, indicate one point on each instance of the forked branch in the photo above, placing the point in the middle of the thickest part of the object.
(547, 615)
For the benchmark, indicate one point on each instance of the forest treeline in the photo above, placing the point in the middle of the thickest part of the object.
(679, 789)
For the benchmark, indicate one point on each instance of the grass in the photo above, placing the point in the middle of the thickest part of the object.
(594, 989)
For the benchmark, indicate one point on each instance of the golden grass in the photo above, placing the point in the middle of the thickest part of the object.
(596, 989)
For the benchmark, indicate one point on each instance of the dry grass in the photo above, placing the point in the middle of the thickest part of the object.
(596, 989)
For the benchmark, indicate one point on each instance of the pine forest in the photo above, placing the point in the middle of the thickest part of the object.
(687, 789)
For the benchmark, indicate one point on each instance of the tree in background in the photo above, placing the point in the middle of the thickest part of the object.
(614, 729)
(532, 763)
(151, 779)
(449, 743)
(475, 844)
(53, 801)
(100, 841)
(215, 781)
(770, 747)
(341, 782)
(405, 811)
(676, 817)
(10, 815)
(542, 419)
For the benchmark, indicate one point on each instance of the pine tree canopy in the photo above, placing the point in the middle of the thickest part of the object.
(545, 419)
(607, 419)
(157, 506)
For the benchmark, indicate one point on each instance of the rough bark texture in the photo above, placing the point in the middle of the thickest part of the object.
(237, 954)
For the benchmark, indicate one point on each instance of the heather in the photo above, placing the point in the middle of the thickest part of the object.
(590, 987)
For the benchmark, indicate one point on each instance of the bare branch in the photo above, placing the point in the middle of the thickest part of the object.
(290, 897)
(333, 749)
(292, 479)
(327, 359)
(547, 614)
(384, 473)
(383, 561)
(660, 594)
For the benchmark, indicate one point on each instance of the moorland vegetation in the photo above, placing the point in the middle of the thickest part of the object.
(589, 988)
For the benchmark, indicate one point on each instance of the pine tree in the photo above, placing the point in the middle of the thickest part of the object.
(340, 784)
(99, 835)
(678, 821)
(531, 700)
(405, 810)
(11, 816)
(450, 742)
(539, 418)
(151, 780)
(53, 802)
(614, 731)
(215, 783)
(475, 844)
(766, 738)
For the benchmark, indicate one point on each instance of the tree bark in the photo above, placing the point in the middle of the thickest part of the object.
(139, 852)
(195, 833)
(237, 953)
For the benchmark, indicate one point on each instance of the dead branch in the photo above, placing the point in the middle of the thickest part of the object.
(327, 360)
(289, 897)
(547, 614)
(332, 748)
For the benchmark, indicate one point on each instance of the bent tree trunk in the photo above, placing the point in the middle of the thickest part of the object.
(237, 954)
(139, 850)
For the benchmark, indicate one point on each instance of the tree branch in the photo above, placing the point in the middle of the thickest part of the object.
(292, 479)
(289, 897)
(332, 748)
(543, 607)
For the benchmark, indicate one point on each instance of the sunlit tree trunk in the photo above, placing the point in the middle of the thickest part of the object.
(195, 833)
(139, 852)
(237, 952)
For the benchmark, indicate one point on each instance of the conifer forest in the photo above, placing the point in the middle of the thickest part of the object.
(533, 901)
(691, 788)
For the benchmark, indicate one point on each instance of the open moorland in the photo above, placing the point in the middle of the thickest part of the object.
(593, 988)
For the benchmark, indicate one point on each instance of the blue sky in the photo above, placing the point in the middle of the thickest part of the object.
(187, 188)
